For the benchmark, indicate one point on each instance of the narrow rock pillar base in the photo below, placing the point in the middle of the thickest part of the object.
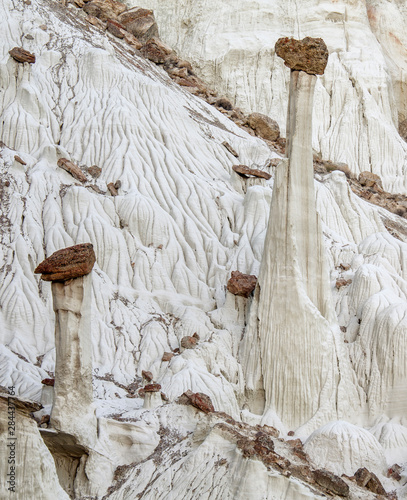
(73, 410)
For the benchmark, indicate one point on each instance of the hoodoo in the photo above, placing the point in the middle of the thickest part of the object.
(292, 315)
(69, 270)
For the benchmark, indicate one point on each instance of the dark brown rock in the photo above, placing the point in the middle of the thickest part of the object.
(303, 472)
(245, 171)
(113, 191)
(188, 342)
(140, 22)
(118, 184)
(21, 55)
(152, 388)
(155, 51)
(167, 356)
(68, 263)
(342, 282)
(200, 400)
(395, 472)
(147, 375)
(369, 179)
(224, 103)
(264, 126)
(19, 160)
(115, 28)
(72, 169)
(104, 9)
(309, 55)
(291, 433)
(230, 149)
(264, 440)
(241, 284)
(95, 171)
(331, 482)
(370, 481)
(164, 397)
(48, 381)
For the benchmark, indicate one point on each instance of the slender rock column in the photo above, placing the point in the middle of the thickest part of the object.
(292, 321)
(69, 270)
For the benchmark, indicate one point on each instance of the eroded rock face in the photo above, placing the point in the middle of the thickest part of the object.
(309, 55)
(241, 284)
(68, 263)
(21, 55)
(264, 126)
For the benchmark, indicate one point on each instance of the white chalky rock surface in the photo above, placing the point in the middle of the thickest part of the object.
(357, 100)
(343, 448)
(182, 221)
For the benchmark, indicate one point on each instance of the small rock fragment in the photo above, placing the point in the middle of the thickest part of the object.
(140, 22)
(72, 169)
(118, 184)
(241, 284)
(167, 356)
(369, 480)
(395, 472)
(147, 375)
(68, 263)
(113, 191)
(198, 400)
(309, 55)
(155, 50)
(94, 21)
(369, 179)
(229, 148)
(115, 28)
(264, 126)
(95, 171)
(342, 282)
(19, 160)
(21, 55)
(188, 342)
(152, 388)
(224, 103)
(245, 171)
(331, 482)
(48, 381)
(196, 336)
(132, 40)
(104, 9)
(303, 472)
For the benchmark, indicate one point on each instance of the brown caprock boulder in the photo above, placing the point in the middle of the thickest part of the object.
(309, 55)
(68, 263)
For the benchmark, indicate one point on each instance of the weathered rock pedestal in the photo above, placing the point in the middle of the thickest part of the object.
(69, 270)
(292, 318)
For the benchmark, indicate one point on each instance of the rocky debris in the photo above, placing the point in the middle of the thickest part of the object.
(21, 55)
(188, 342)
(344, 267)
(48, 381)
(403, 129)
(164, 397)
(331, 482)
(245, 171)
(262, 439)
(132, 40)
(147, 375)
(72, 169)
(68, 263)
(43, 423)
(326, 166)
(96, 188)
(224, 103)
(118, 184)
(229, 148)
(94, 21)
(112, 189)
(139, 22)
(167, 356)
(370, 180)
(370, 481)
(264, 126)
(155, 50)
(395, 472)
(19, 160)
(115, 28)
(342, 282)
(241, 284)
(303, 472)
(152, 388)
(309, 54)
(196, 336)
(198, 400)
(104, 9)
(94, 171)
